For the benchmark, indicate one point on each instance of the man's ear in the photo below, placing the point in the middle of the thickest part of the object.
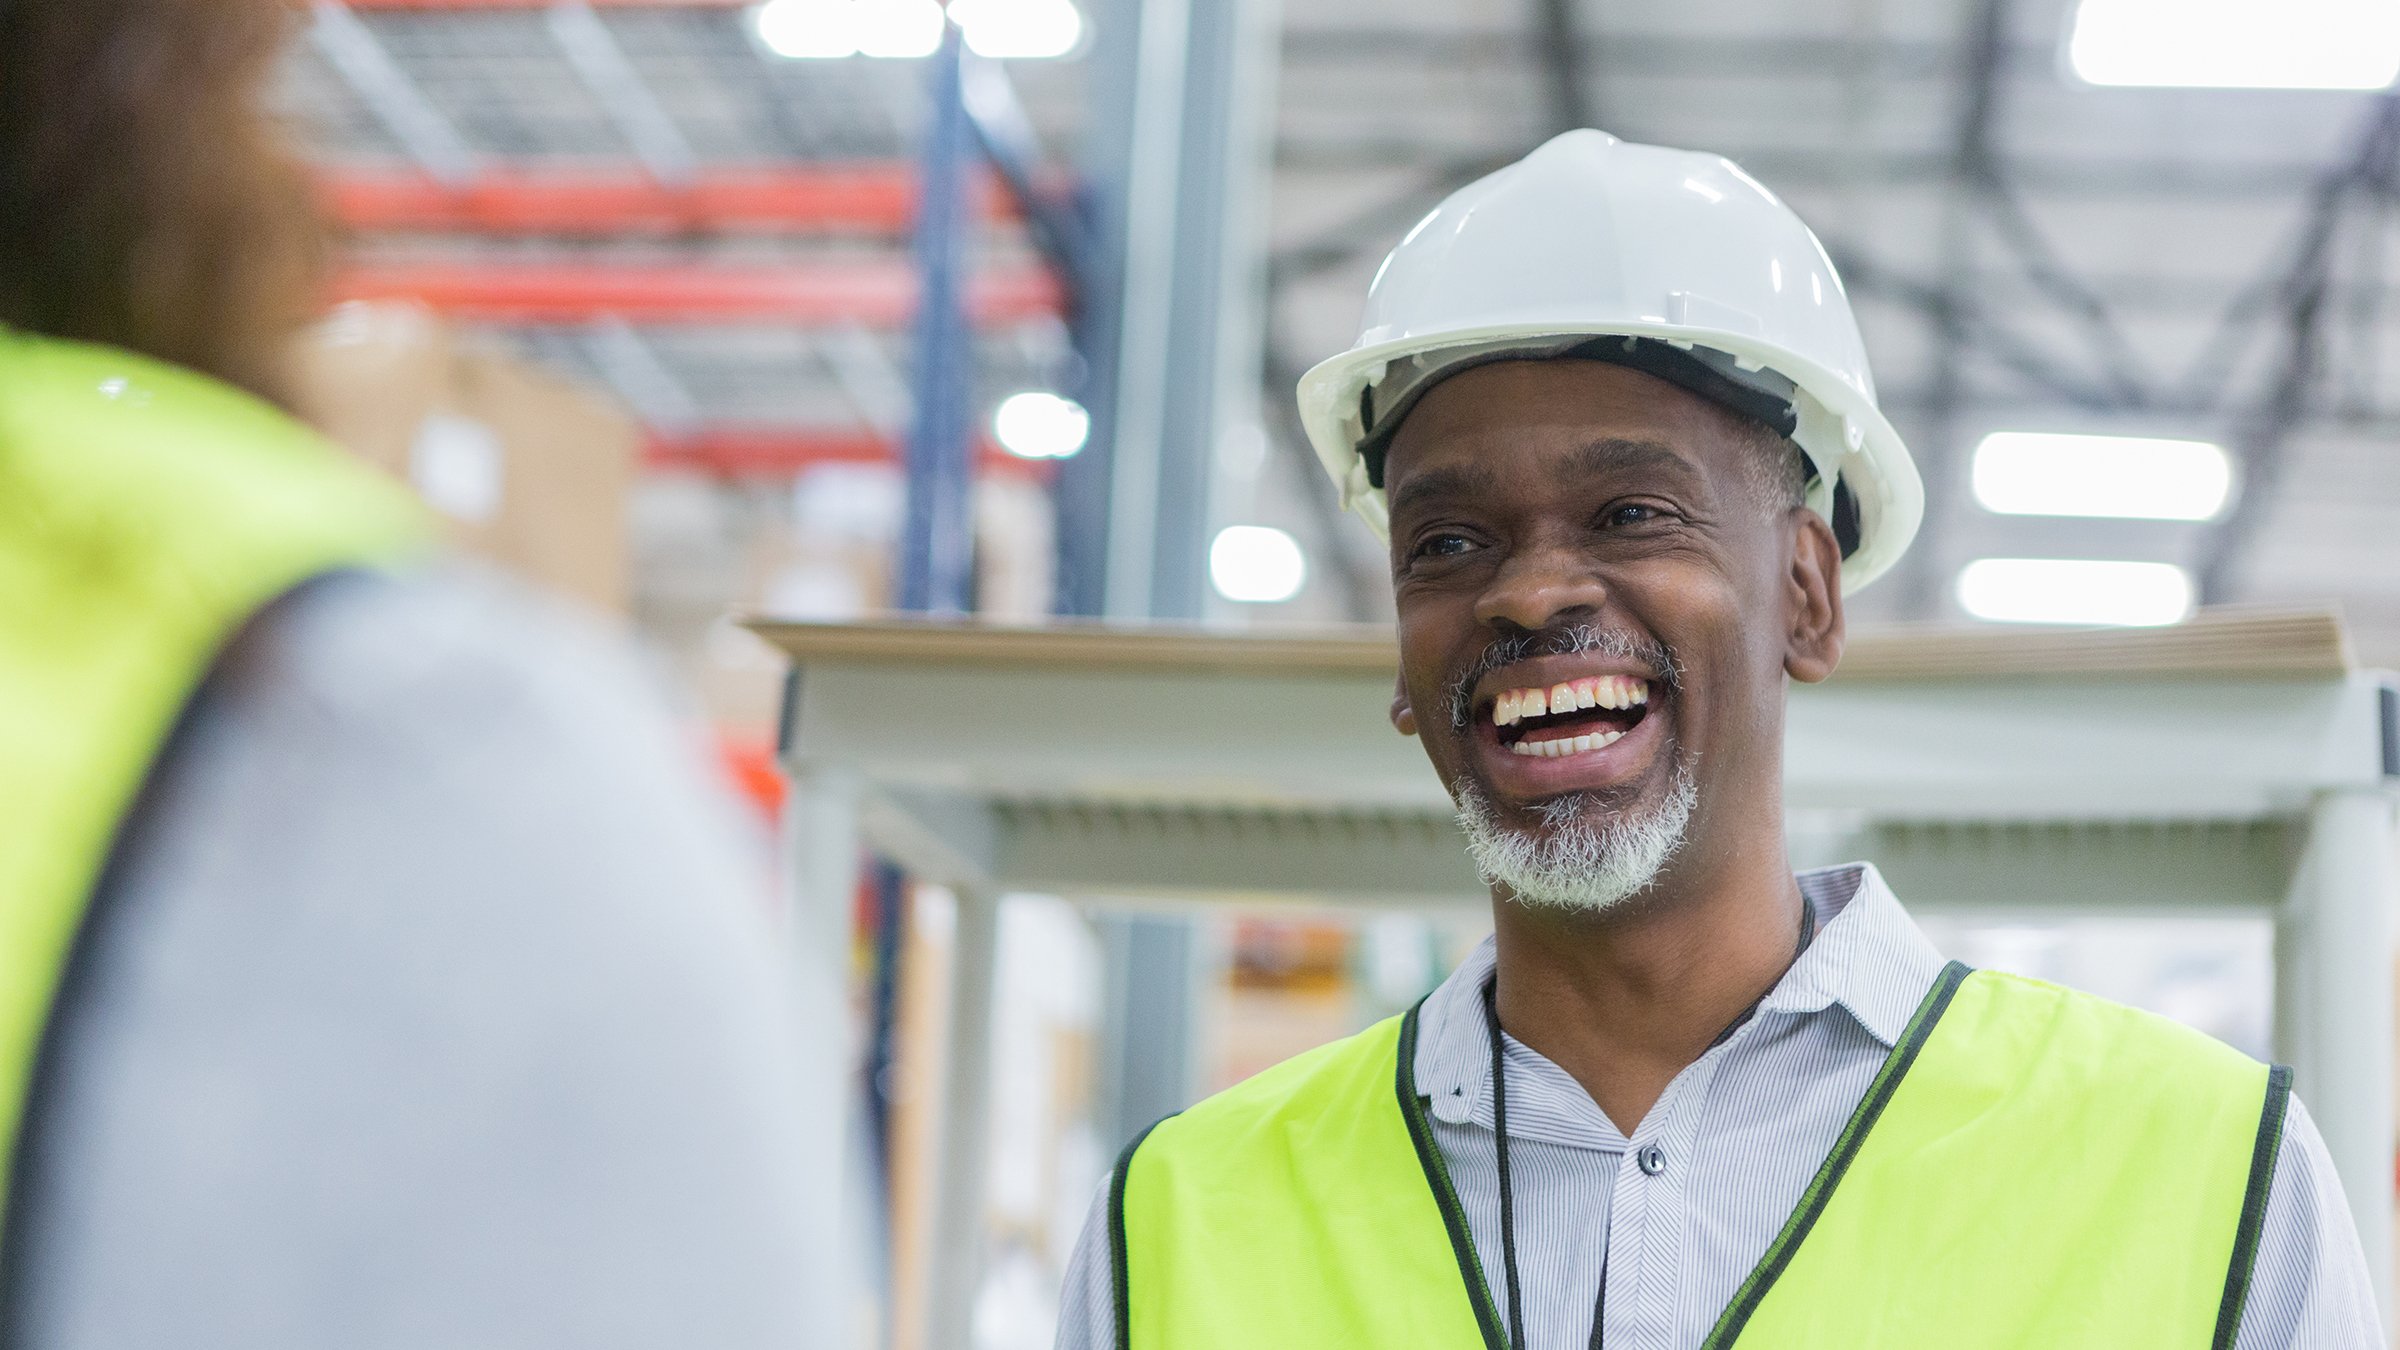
(1813, 599)
(1404, 718)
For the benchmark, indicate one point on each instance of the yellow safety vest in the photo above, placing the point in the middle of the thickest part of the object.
(2032, 1167)
(146, 513)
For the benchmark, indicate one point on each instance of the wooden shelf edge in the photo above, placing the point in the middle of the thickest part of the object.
(2231, 642)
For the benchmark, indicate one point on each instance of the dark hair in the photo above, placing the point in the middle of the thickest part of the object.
(1780, 467)
(146, 199)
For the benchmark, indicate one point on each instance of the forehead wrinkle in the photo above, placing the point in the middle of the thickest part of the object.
(1455, 480)
(1615, 454)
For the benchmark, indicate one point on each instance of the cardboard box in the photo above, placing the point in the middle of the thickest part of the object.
(529, 469)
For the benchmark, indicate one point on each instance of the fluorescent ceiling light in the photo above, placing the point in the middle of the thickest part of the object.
(1041, 425)
(1028, 29)
(1256, 564)
(2075, 591)
(899, 28)
(2237, 44)
(2036, 473)
(807, 29)
(832, 29)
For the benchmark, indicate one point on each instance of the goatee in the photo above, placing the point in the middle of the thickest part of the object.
(1574, 861)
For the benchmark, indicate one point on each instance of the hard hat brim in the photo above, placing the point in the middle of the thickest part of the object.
(1845, 436)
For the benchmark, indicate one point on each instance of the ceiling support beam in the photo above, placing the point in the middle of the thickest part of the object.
(1937, 449)
(633, 369)
(2263, 432)
(601, 63)
(1565, 66)
(422, 129)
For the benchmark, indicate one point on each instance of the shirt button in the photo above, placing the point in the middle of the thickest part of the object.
(1652, 1158)
(1452, 1108)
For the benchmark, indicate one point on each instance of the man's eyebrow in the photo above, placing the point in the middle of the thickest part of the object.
(1458, 480)
(1615, 454)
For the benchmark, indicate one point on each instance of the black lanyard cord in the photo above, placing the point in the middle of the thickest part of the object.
(1508, 1213)
(1508, 1217)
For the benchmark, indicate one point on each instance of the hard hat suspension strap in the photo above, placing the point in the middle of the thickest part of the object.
(1761, 395)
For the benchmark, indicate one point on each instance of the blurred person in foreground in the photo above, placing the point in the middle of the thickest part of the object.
(381, 969)
(1611, 411)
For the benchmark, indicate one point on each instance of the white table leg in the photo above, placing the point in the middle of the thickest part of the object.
(956, 1267)
(821, 842)
(2333, 972)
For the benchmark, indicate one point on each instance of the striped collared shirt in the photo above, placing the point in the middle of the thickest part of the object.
(1730, 1147)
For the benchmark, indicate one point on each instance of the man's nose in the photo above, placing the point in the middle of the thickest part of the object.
(1541, 588)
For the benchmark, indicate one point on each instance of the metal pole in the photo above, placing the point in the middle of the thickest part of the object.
(2334, 976)
(1183, 98)
(936, 576)
(937, 550)
(1216, 344)
(1147, 211)
(1146, 1025)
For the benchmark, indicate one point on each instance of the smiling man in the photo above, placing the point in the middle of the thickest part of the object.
(1612, 412)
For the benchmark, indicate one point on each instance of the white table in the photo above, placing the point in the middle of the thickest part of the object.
(2236, 763)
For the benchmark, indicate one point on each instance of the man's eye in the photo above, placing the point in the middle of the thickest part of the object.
(1630, 513)
(1442, 546)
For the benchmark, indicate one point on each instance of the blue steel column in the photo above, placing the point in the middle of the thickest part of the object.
(937, 544)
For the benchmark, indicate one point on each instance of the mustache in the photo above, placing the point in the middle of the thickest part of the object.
(1577, 639)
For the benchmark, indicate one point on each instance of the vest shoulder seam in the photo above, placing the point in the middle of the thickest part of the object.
(1120, 1280)
(1437, 1179)
(2263, 1152)
(1896, 1065)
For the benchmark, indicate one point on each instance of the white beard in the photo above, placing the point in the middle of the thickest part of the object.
(1577, 864)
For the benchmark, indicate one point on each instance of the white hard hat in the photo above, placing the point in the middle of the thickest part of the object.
(1693, 270)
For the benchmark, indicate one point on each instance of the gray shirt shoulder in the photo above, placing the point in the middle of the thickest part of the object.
(429, 1001)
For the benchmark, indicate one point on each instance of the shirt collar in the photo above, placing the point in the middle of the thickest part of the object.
(1868, 958)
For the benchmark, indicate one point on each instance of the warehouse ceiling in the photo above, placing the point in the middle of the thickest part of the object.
(2025, 253)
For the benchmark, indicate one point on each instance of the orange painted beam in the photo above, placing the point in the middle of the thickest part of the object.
(876, 197)
(877, 292)
(769, 452)
(446, 5)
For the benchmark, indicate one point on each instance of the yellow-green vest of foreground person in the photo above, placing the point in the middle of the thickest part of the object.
(146, 514)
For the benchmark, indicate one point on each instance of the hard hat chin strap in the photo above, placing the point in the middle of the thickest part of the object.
(1760, 395)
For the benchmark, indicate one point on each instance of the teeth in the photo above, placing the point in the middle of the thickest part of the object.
(1605, 691)
(1567, 745)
